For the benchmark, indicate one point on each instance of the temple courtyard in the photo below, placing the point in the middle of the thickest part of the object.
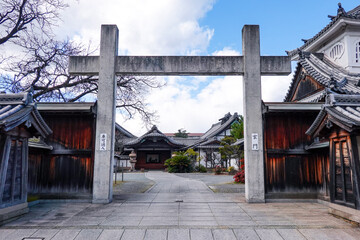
(181, 206)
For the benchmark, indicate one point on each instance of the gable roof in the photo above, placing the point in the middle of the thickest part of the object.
(154, 132)
(209, 138)
(19, 108)
(327, 74)
(124, 131)
(220, 126)
(342, 15)
(340, 109)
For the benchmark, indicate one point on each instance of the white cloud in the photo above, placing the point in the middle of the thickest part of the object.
(146, 27)
(274, 88)
(182, 103)
(226, 51)
(168, 27)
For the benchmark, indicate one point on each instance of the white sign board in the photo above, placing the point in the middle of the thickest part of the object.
(102, 141)
(255, 141)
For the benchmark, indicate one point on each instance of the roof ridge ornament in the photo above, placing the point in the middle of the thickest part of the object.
(340, 12)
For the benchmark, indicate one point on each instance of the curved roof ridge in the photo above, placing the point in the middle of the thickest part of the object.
(153, 132)
(324, 71)
(352, 14)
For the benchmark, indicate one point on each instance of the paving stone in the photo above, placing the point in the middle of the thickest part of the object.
(88, 234)
(198, 223)
(290, 234)
(163, 223)
(223, 234)
(151, 214)
(45, 233)
(5, 232)
(246, 234)
(68, 234)
(156, 234)
(133, 234)
(20, 234)
(111, 234)
(201, 234)
(178, 234)
(339, 234)
(268, 234)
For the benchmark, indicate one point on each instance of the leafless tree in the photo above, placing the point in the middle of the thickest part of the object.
(21, 18)
(44, 60)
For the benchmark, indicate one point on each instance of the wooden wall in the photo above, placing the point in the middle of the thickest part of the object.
(305, 87)
(290, 169)
(13, 169)
(68, 168)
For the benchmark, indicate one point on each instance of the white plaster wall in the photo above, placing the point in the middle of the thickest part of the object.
(347, 60)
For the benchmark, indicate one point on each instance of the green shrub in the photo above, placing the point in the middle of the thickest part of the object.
(178, 164)
(201, 168)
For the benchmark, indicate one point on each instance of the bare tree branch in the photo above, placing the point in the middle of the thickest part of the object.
(44, 61)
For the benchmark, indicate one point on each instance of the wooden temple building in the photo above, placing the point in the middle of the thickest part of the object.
(153, 148)
(63, 166)
(312, 139)
(19, 121)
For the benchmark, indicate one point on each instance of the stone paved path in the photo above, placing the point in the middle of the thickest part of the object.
(179, 208)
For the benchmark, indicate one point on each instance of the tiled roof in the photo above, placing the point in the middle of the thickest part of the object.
(185, 141)
(219, 127)
(153, 133)
(239, 142)
(210, 136)
(327, 74)
(124, 131)
(353, 14)
(340, 109)
(19, 108)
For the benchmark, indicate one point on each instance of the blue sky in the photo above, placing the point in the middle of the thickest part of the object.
(283, 23)
(198, 27)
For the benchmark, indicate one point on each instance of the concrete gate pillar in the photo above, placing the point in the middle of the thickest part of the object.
(105, 118)
(253, 122)
(251, 65)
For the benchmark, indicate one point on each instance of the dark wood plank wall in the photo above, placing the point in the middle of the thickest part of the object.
(306, 87)
(344, 168)
(68, 168)
(289, 167)
(13, 169)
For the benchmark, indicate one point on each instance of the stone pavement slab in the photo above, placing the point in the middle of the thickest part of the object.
(158, 214)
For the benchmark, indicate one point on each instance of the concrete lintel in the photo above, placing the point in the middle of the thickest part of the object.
(84, 65)
(275, 65)
(179, 65)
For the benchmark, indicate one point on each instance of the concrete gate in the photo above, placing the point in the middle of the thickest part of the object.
(251, 66)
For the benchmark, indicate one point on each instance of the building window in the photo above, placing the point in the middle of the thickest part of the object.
(337, 51)
(152, 158)
(357, 52)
